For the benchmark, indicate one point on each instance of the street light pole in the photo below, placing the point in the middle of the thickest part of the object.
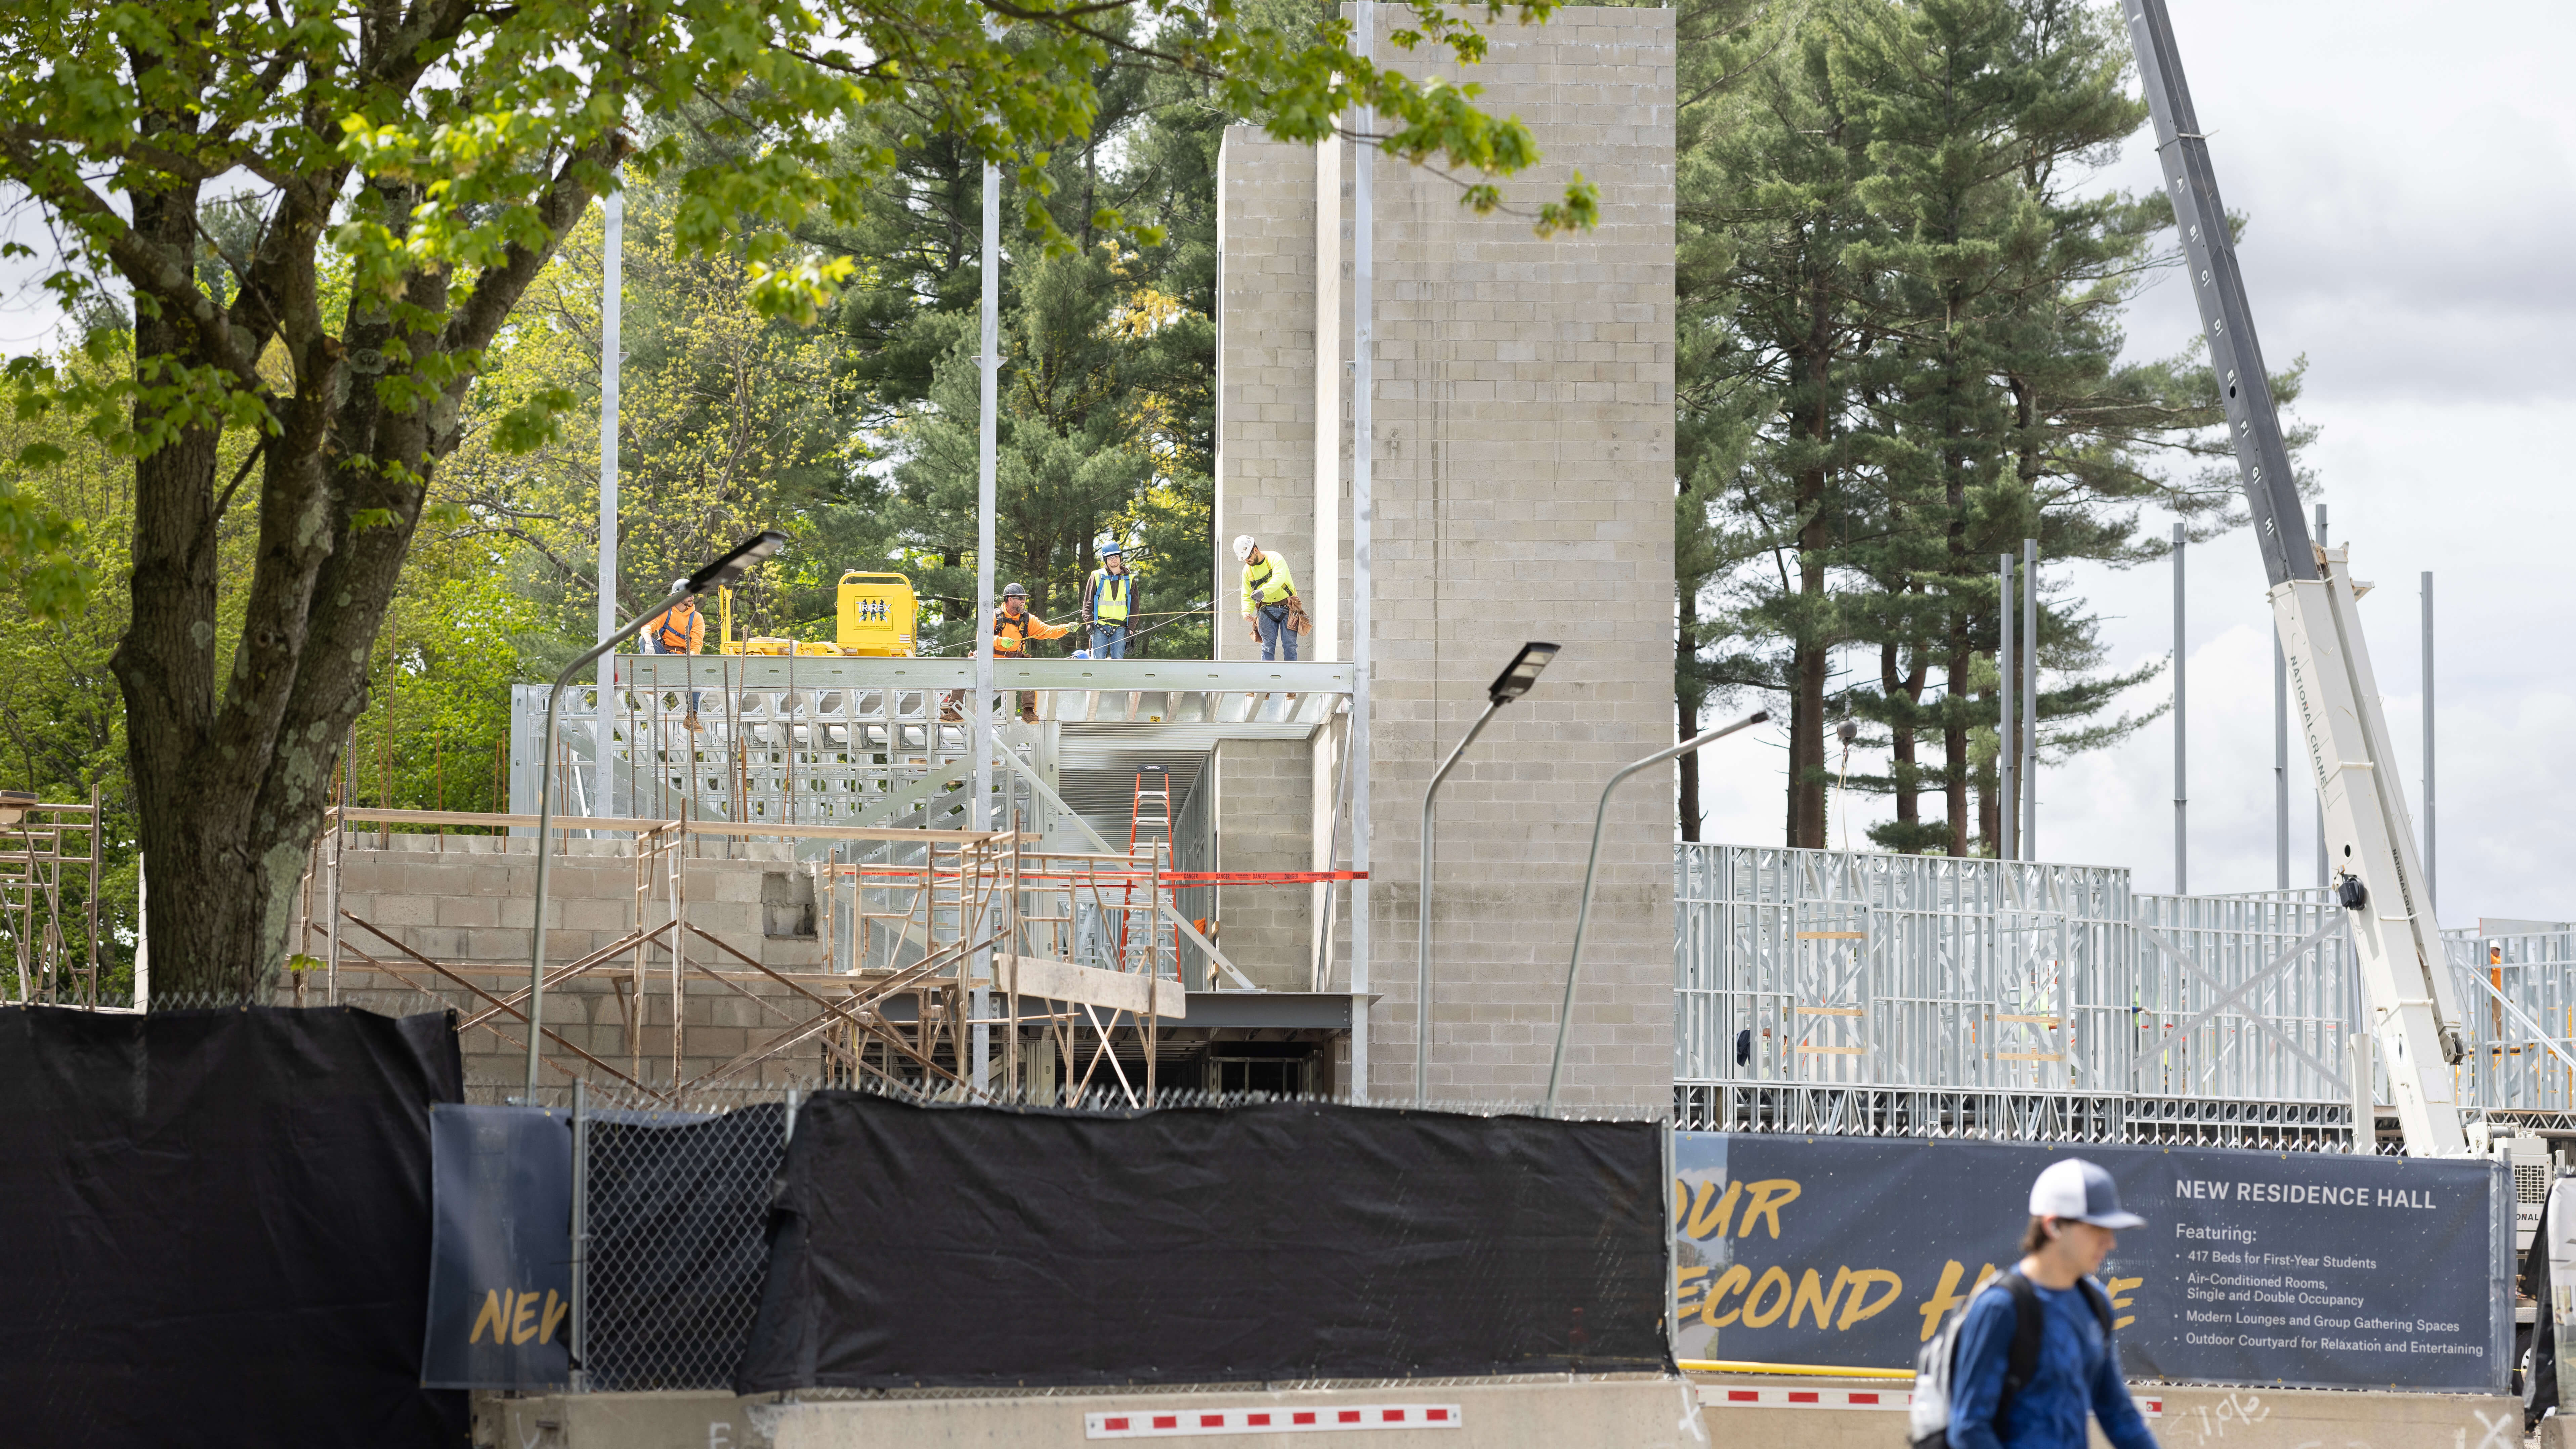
(1511, 684)
(1592, 865)
(722, 573)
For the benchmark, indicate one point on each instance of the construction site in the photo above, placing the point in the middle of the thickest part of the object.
(729, 880)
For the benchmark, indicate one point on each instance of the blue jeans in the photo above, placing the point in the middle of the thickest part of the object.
(1109, 641)
(1272, 621)
(653, 645)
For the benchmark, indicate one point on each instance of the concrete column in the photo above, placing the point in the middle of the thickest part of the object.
(1522, 445)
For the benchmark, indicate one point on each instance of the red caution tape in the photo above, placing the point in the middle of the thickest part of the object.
(1261, 877)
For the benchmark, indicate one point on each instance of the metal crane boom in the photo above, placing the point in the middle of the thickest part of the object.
(2407, 993)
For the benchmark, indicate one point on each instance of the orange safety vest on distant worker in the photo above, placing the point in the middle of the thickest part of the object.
(1011, 635)
(679, 629)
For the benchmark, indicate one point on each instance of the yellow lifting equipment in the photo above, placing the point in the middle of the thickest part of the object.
(877, 613)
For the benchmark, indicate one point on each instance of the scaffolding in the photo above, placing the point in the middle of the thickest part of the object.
(923, 926)
(50, 859)
(1842, 991)
(2517, 984)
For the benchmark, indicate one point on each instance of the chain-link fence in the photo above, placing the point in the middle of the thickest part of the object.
(673, 1207)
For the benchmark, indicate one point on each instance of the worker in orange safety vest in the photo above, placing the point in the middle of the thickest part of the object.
(679, 629)
(1013, 627)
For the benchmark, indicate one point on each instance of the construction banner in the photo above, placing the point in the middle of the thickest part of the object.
(500, 1262)
(1002, 1248)
(2303, 1269)
(218, 1226)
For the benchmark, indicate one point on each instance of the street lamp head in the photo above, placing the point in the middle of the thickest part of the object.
(1520, 674)
(724, 572)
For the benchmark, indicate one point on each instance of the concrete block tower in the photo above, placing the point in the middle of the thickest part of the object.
(1523, 483)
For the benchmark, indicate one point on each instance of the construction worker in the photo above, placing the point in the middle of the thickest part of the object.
(1013, 627)
(1105, 604)
(1269, 597)
(679, 629)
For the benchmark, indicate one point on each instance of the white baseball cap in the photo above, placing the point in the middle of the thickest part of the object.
(2082, 1191)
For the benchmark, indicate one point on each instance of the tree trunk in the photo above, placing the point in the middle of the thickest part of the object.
(1811, 649)
(1905, 771)
(1989, 822)
(1686, 711)
(1689, 802)
(233, 759)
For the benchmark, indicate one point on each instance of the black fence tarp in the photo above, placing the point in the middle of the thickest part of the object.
(989, 1247)
(678, 1212)
(217, 1226)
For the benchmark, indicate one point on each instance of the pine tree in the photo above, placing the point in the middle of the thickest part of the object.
(1772, 193)
(1969, 397)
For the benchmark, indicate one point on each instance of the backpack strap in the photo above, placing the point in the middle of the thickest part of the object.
(2101, 1301)
(2021, 1364)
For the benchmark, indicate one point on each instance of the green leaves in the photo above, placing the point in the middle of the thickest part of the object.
(535, 422)
(37, 547)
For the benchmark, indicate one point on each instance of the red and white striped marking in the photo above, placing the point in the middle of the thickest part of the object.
(1775, 1396)
(1320, 1419)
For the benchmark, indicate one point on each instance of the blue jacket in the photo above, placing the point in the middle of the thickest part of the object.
(2079, 1369)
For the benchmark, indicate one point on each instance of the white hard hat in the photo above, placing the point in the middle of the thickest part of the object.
(678, 584)
(1242, 547)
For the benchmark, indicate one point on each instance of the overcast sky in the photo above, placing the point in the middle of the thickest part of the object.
(2409, 172)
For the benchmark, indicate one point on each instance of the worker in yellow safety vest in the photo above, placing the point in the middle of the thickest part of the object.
(679, 629)
(1269, 599)
(1013, 627)
(1105, 604)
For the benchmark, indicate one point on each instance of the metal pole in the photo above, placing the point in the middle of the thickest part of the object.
(1422, 945)
(2182, 792)
(1324, 582)
(2007, 745)
(2431, 888)
(1592, 866)
(545, 821)
(2030, 699)
(580, 1231)
(613, 250)
(2280, 765)
(2324, 873)
(1333, 862)
(1363, 515)
(987, 433)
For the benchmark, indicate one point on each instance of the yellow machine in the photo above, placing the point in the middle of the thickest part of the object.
(877, 612)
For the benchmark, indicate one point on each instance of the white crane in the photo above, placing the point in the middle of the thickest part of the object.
(2407, 994)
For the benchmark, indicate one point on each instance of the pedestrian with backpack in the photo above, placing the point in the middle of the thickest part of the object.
(2031, 1354)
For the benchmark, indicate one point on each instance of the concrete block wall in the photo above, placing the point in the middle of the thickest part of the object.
(1522, 464)
(1265, 454)
(466, 902)
(1266, 789)
(470, 898)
